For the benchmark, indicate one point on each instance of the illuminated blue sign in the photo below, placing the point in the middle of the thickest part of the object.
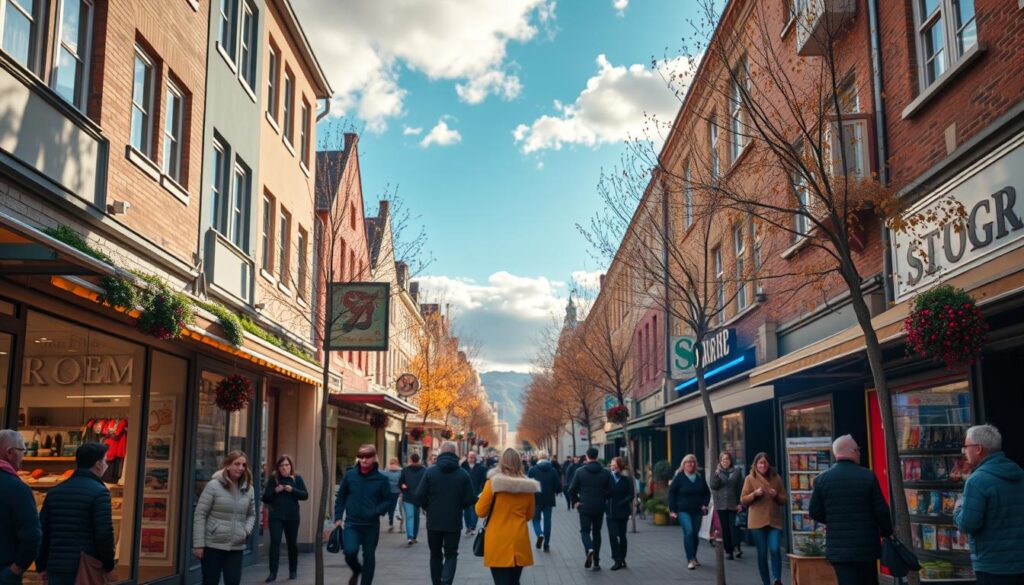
(744, 361)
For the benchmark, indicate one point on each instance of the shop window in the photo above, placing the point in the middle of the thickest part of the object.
(808, 429)
(730, 435)
(77, 386)
(6, 355)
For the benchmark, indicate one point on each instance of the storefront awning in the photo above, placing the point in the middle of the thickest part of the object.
(725, 397)
(379, 399)
(25, 250)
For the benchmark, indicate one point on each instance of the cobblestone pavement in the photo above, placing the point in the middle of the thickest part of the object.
(655, 555)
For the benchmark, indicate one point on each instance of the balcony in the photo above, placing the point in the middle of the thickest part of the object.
(46, 142)
(228, 269)
(819, 22)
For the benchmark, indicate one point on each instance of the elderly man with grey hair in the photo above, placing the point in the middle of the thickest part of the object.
(445, 491)
(848, 500)
(991, 511)
(20, 532)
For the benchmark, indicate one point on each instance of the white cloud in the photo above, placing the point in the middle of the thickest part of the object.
(441, 135)
(617, 103)
(588, 279)
(410, 131)
(363, 46)
(620, 6)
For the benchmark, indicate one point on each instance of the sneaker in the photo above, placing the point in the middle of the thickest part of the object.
(410, 543)
(590, 560)
(616, 566)
(696, 562)
(540, 542)
(293, 575)
(547, 549)
(391, 528)
(270, 578)
(739, 553)
(691, 565)
(597, 567)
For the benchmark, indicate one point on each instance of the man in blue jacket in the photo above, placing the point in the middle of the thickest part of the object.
(991, 511)
(19, 522)
(550, 486)
(478, 476)
(363, 497)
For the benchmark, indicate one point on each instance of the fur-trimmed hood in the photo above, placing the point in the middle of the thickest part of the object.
(501, 483)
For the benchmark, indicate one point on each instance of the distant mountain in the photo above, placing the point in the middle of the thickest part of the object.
(506, 388)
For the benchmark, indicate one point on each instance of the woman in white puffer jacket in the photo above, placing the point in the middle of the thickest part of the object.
(225, 516)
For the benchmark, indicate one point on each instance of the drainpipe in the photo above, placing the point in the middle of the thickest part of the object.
(327, 109)
(880, 141)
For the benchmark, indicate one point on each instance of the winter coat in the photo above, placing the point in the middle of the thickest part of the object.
(992, 515)
(686, 496)
(76, 517)
(362, 498)
(224, 516)
(284, 504)
(591, 487)
(848, 500)
(477, 474)
(763, 510)
(409, 480)
(20, 533)
(507, 540)
(726, 485)
(393, 476)
(444, 493)
(550, 483)
(623, 494)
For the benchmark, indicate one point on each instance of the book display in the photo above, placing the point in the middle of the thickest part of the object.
(808, 454)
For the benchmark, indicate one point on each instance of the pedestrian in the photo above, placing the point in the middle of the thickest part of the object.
(20, 533)
(688, 499)
(507, 502)
(726, 486)
(763, 494)
(408, 481)
(478, 475)
(550, 486)
(991, 510)
(848, 501)
(224, 518)
(282, 494)
(620, 504)
(570, 470)
(446, 490)
(363, 497)
(591, 487)
(392, 472)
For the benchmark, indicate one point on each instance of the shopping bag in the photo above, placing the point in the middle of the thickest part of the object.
(898, 558)
(334, 541)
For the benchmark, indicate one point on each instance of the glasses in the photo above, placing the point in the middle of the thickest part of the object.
(21, 449)
(966, 446)
(365, 456)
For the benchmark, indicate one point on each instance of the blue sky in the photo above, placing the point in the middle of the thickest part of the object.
(495, 118)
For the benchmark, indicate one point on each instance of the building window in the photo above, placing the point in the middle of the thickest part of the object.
(801, 220)
(284, 248)
(289, 105)
(69, 74)
(716, 259)
(267, 234)
(273, 70)
(302, 258)
(946, 29)
(239, 211)
(172, 132)
(304, 132)
(740, 253)
(755, 237)
(713, 145)
(142, 104)
(228, 26)
(737, 115)
(20, 30)
(218, 187)
(247, 57)
(688, 197)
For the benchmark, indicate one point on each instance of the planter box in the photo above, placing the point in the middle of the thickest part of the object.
(660, 519)
(811, 570)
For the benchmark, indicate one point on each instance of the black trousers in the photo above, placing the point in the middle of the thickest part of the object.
(617, 537)
(730, 534)
(444, 554)
(216, 561)
(361, 536)
(590, 532)
(856, 573)
(506, 575)
(289, 527)
(993, 579)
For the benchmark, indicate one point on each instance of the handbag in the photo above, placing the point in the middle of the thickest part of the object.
(478, 542)
(334, 541)
(898, 558)
(741, 518)
(90, 571)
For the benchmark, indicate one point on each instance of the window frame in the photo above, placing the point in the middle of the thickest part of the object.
(758, 259)
(34, 17)
(267, 233)
(83, 57)
(737, 114)
(801, 221)
(238, 207)
(713, 131)
(302, 259)
(228, 25)
(220, 190)
(248, 45)
(719, 270)
(740, 251)
(305, 120)
(288, 107)
(174, 93)
(284, 247)
(273, 86)
(688, 196)
(952, 51)
(149, 88)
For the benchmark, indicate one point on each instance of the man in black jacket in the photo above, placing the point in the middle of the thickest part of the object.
(591, 487)
(444, 493)
(363, 497)
(847, 499)
(408, 481)
(19, 532)
(568, 469)
(76, 518)
(550, 486)
(478, 475)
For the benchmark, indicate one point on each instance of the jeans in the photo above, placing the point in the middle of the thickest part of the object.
(730, 534)
(617, 538)
(392, 508)
(290, 528)
(216, 561)
(690, 523)
(444, 554)
(412, 520)
(856, 573)
(767, 540)
(568, 500)
(506, 575)
(994, 579)
(352, 538)
(590, 531)
(545, 513)
(57, 578)
(469, 517)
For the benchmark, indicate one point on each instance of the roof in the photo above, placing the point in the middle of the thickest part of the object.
(375, 227)
(291, 22)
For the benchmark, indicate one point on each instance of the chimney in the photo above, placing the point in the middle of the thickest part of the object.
(414, 292)
(600, 282)
(401, 273)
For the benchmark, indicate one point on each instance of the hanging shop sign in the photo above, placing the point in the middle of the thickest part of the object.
(990, 193)
(358, 316)
(685, 355)
(407, 385)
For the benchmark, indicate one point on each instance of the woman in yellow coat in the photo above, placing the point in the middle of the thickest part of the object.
(508, 503)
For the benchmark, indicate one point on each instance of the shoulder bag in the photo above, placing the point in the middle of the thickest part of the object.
(898, 558)
(334, 541)
(478, 542)
(90, 571)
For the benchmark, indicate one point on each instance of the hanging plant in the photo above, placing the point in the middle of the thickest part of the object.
(459, 436)
(472, 440)
(165, 313)
(379, 420)
(447, 433)
(470, 434)
(946, 324)
(484, 444)
(233, 393)
(618, 414)
(416, 433)
(119, 292)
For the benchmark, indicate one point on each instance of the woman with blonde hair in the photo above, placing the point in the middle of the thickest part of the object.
(688, 498)
(763, 495)
(393, 472)
(224, 518)
(508, 503)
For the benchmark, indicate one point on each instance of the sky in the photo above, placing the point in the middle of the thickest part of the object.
(494, 120)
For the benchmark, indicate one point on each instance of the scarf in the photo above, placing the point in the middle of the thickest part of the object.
(6, 466)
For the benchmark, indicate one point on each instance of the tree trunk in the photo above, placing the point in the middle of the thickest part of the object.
(325, 470)
(711, 434)
(572, 434)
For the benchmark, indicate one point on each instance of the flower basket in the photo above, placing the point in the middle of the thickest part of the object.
(233, 393)
(447, 434)
(416, 433)
(946, 324)
(618, 414)
(378, 420)
(471, 434)
(484, 444)
(459, 436)
(165, 314)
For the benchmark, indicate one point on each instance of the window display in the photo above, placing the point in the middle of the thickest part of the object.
(931, 423)
(730, 437)
(808, 429)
